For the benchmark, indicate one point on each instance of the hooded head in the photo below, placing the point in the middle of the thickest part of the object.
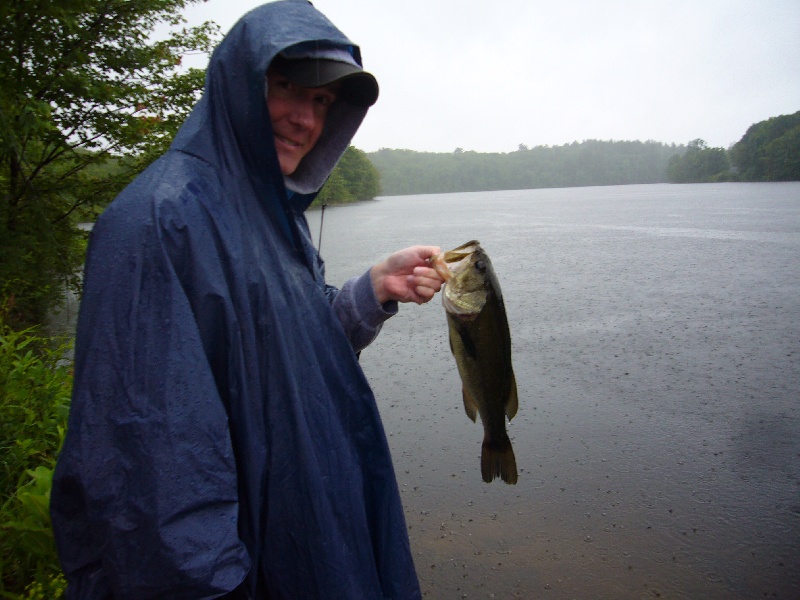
(231, 127)
(312, 91)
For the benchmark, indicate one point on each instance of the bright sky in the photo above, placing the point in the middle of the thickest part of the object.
(488, 75)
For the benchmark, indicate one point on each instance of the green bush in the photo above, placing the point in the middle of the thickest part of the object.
(35, 385)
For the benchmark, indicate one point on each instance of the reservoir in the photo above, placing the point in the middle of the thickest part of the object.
(656, 344)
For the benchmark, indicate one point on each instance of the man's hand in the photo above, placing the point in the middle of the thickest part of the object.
(406, 276)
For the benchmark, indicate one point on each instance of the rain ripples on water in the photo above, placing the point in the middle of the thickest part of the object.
(656, 344)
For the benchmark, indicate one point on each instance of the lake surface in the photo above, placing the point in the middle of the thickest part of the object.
(656, 345)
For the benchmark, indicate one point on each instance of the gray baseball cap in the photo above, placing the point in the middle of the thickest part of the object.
(358, 87)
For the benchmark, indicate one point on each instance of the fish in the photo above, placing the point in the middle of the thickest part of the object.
(480, 341)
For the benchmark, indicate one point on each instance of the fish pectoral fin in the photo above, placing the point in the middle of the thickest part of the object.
(512, 404)
(469, 404)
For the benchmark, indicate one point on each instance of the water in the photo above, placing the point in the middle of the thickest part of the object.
(656, 345)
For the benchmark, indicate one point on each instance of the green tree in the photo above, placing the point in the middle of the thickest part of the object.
(782, 157)
(362, 177)
(82, 84)
(768, 150)
(335, 190)
(698, 164)
(354, 178)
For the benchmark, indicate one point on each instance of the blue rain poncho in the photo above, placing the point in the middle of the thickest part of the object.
(223, 440)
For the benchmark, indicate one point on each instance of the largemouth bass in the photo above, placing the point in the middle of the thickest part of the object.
(481, 344)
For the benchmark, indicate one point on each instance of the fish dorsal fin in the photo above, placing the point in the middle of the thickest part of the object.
(512, 404)
(469, 404)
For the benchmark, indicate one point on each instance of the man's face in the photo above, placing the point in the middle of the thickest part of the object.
(298, 116)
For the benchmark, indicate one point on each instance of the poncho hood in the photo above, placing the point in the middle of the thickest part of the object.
(232, 116)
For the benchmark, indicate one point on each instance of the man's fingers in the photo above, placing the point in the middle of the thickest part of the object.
(428, 273)
(434, 283)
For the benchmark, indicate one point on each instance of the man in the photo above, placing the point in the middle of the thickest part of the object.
(223, 440)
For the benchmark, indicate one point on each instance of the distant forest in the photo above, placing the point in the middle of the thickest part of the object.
(592, 162)
(769, 151)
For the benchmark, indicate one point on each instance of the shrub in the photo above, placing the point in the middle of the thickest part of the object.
(35, 385)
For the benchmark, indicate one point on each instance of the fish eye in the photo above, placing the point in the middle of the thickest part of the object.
(480, 265)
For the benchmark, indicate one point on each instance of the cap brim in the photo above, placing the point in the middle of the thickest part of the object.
(358, 86)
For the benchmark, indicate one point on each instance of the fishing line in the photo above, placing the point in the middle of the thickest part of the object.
(322, 216)
(321, 219)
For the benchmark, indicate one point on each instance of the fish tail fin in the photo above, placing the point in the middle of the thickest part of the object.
(497, 460)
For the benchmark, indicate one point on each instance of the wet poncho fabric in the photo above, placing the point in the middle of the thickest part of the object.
(223, 440)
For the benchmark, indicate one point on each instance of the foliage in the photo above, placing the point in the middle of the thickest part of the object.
(699, 164)
(81, 83)
(35, 385)
(27, 524)
(592, 162)
(354, 178)
(769, 150)
(782, 156)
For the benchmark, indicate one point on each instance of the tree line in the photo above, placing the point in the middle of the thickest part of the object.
(768, 151)
(591, 162)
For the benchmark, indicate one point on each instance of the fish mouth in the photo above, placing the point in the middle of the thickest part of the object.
(455, 260)
(456, 255)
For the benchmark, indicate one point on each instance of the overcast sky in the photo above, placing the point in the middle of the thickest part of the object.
(488, 75)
